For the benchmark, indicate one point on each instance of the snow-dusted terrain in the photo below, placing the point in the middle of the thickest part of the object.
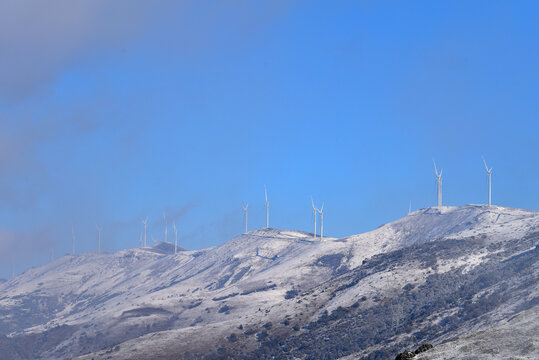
(433, 275)
(516, 337)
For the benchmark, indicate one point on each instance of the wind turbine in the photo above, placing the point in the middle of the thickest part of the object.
(246, 211)
(410, 207)
(144, 222)
(489, 174)
(175, 238)
(314, 214)
(321, 212)
(439, 180)
(98, 237)
(267, 206)
(73, 237)
(165, 218)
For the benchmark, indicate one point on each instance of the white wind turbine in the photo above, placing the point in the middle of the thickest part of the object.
(489, 174)
(314, 214)
(246, 211)
(267, 206)
(145, 222)
(98, 237)
(321, 212)
(175, 238)
(439, 180)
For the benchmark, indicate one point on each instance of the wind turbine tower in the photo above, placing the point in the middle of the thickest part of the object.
(267, 206)
(175, 238)
(321, 212)
(246, 211)
(489, 174)
(145, 222)
(98, 237)
(439, 180)
(314, 214)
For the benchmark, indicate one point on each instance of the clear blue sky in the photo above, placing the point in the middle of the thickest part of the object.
(110, 112)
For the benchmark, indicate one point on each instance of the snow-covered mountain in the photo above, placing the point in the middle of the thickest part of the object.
(281, 293)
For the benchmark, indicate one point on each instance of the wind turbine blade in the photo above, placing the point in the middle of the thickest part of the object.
(322, 208)
(441, 171)
(484, 162)
(435, 170)
(266, 192)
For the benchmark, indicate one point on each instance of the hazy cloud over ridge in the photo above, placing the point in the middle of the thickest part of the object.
(39, 38)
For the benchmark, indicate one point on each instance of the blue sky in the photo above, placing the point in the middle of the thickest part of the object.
(110, 113)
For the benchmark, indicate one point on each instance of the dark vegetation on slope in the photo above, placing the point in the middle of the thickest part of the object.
(32, 346)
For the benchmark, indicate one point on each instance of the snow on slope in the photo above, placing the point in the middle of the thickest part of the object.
(110, 298)
(513, 338)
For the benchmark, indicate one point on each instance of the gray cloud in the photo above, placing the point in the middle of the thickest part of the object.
(18, 244)
(38, 39)
(22, 176)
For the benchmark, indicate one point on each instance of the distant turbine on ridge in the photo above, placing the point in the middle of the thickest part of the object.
(489, 174)
(175, 238)
(98, 237)
(314, 214)
(439, 180)
(246, 211)
(267, 206)
(145, 222)
(321, 212)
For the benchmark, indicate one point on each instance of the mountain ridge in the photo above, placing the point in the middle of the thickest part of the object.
(108, 299)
